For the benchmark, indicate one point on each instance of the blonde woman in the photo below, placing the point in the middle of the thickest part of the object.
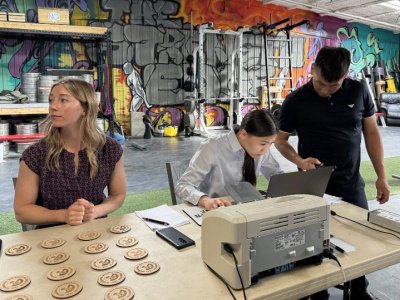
(62, 178)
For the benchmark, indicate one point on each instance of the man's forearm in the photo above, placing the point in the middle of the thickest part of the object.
(288, 152)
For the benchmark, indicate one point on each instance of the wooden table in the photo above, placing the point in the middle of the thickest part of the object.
(183, 275)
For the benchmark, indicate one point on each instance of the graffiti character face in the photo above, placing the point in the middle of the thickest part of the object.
(254, 145)
(323, 87)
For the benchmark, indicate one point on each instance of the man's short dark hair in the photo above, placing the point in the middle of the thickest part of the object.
(333, 62)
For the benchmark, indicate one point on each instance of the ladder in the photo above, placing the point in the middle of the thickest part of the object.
(278, 50)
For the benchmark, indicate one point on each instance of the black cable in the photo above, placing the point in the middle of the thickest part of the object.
(230, 250)
(226, 284)
(333, 213)
(328, 253)
(229, 289)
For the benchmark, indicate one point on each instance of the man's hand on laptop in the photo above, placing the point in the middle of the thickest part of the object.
(212, 203)
(309, 163)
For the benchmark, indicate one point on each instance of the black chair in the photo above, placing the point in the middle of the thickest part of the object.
(175, 170)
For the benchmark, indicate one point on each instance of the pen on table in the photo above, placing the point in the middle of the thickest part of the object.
(156, 221)
(1, 243)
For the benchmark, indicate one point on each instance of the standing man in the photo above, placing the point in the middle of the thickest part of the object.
(329, 113)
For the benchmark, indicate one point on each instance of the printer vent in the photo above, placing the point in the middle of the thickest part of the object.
(306, 216)
(273, 224)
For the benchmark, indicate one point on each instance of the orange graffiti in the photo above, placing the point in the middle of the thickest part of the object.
(227, 14)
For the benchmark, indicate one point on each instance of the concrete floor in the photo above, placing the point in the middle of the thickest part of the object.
(145, 171)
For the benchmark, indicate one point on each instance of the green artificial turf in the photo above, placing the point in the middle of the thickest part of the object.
(139, 201)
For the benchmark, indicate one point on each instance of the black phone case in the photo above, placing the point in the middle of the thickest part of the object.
(175, 237)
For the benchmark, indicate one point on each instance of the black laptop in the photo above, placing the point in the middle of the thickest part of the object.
(311, 182)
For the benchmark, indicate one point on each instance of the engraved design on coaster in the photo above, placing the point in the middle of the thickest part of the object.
(61, 273)
(21, 297)
(120, 228)
(67, 289)
(53, 243)
(111, 278)
(89, 235)
(127, 241)
(136, 253)
(55, 258)
(147, 267)
(119, 293)
(103, 263)
(18, 249)
(95, 248)
(15, 283)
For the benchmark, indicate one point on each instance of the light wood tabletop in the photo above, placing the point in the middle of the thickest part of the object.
(182, 274)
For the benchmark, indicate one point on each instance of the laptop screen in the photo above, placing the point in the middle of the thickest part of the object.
(312, 182)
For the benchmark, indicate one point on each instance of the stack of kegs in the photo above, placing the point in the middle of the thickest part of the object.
(4, 130)
(25, 128)
(45, 84)
(29, 85)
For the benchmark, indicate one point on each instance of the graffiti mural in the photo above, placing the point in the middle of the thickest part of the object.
(151, 41)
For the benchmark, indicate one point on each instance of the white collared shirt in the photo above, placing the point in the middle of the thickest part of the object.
(217, 163)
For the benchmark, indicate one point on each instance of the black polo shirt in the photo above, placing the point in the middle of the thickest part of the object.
(329, 128)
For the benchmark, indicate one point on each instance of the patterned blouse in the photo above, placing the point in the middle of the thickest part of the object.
(59, 189)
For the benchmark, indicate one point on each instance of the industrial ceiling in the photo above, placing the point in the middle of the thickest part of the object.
(383, 14)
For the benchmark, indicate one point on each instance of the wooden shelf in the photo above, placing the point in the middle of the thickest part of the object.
(72, 31)
(24, 109)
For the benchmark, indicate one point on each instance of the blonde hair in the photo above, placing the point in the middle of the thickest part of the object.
(92, 139)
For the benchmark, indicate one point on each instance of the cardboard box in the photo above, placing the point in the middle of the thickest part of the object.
(16, 17)
(53, 15)
(3, 16)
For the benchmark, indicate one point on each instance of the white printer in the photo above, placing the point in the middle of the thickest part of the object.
(264, 235)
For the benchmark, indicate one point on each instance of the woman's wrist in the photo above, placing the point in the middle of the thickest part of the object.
(202, 201)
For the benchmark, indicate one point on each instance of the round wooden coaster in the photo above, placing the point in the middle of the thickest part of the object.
(111, 278)
(20, 297)
(136, 253)
(103, 263)
(67, 289)
(147, 267)
(52, 243)
(89, 235)
(15, 283)
(17, 249)
(120, 228)
(119, 293)
(95, 248)
(127, 241)
(61, 273)
(55, 258)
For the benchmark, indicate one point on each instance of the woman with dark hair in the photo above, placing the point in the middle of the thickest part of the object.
(228, 159)
(62, 178)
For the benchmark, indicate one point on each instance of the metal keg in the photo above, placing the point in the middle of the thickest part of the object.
(4, 128)
(88, 78)
(6, 149)
(29, 82)
(45, 84)
(23, 145)
(26, 128)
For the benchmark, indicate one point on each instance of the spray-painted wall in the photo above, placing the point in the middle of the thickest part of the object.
(152, 40)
